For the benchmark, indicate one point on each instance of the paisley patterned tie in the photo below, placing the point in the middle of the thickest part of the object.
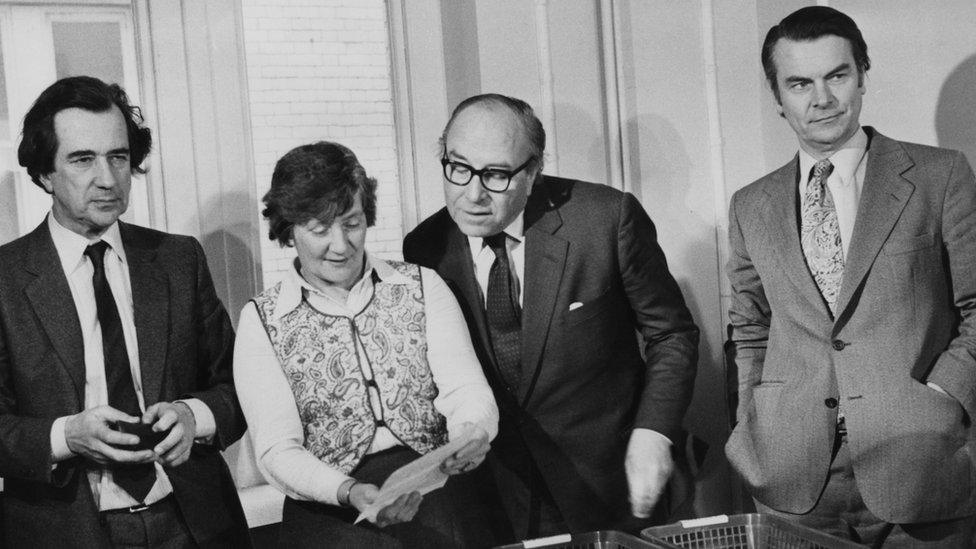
(820, 235)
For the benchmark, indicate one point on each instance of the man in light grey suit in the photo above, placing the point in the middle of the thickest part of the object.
(853, 270)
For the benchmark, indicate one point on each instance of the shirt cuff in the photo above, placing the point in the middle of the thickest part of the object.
(653, 433)
(206, 424)
(59, 444)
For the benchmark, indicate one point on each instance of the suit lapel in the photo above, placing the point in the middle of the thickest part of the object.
(545, 261)
(150, 304)
(51, 299)
(781, 208)
(883, 197)
(458, 267)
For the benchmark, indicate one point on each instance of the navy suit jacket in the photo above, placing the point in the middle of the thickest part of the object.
(585, 384)
(185, 350)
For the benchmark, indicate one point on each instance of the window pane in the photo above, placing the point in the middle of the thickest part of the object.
(88, 48)
(4, 112)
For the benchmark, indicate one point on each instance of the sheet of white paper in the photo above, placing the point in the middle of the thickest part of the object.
(420, 475)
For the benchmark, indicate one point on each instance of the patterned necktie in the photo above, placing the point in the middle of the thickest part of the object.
(820, 235)
(504, 317)
(137, 480)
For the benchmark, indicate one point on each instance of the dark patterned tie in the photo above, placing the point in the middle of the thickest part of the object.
(137, 480)
(504, 317)
(820, 235)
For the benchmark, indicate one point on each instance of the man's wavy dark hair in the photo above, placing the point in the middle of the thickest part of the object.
(39, 144)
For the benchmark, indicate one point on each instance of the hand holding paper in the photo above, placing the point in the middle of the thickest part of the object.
(402, 509)
(471, 454)
(421, 475)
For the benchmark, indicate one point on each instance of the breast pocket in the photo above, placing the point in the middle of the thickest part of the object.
(900, 246)
(588, 310)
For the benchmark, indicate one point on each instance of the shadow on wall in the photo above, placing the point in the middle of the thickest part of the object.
(955, 117)
(659, 165)
(227, 250)
(582, 153)
(661, 173)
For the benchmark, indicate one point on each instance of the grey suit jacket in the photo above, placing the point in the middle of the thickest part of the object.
(185, 349)
(905, 316)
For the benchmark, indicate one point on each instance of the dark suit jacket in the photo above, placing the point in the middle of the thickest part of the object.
(584, 382)
(185, 350)
(906, 315)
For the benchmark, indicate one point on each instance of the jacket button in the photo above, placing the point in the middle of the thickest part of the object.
(831, 402)
(839, 345)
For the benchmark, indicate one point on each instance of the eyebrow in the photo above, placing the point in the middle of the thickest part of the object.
(88, 152)
(839, 68)
(496, 166)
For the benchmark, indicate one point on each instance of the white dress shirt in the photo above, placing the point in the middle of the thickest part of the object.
(845, 181)
(269, 404)
(483, 257)
(79, 270)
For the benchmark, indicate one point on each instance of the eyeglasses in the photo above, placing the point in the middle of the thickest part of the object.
(492, 179)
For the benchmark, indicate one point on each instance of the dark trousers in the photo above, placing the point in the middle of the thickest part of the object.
(841, 512)
(448, 517)
(160, 526)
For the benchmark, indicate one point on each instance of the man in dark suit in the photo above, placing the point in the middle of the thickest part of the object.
(104, 323)
(854, 311)
(564, 287)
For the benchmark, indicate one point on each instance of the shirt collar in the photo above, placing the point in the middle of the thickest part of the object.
(845, 160)
(71, 245)
(515, 230)
(294, 285)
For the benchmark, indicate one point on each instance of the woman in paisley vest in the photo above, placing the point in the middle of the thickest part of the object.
(352, 366)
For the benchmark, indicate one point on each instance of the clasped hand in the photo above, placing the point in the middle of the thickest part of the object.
(90, 434)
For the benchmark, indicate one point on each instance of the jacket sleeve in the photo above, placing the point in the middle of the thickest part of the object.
(749, 312)
(215, 351)
(25, 442)
(955, 369)
(670, 336)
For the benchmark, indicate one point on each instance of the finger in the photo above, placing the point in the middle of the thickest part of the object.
(116, 455)
(115, 438)
(412, 506)
(173, 459)
(468, 450)
(107, 415)
(171, 441)
(166, 419)
(152, 413)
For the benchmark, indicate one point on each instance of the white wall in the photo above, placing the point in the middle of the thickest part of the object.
(320, 70)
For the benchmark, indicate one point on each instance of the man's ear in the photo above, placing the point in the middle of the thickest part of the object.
(46, 183)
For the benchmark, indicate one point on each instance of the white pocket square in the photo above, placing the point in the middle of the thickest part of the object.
(575, 305)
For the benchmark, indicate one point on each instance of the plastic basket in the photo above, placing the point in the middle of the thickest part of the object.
(604, 539)
(750, 531)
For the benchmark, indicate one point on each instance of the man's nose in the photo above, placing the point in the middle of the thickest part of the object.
(823, 95)
(104, 174)
(475, 192)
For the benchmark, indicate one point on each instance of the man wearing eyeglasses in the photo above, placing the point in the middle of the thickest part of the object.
(563, 286)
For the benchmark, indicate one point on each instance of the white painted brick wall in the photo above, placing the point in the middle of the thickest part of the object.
(320, 70)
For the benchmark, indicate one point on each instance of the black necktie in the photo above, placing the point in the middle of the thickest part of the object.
(137, 480)
(504, 317)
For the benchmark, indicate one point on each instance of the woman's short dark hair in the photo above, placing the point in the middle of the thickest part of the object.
(810, 23)
(40, 141)
(316, 181)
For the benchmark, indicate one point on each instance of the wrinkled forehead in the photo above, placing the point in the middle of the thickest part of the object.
(494, 135)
